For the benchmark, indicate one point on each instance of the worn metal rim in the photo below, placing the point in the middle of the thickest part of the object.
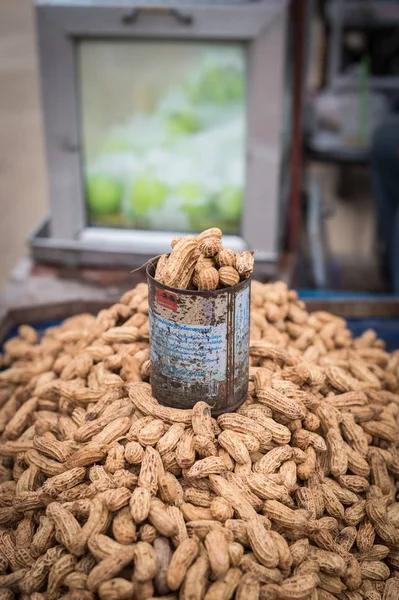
(205, 293)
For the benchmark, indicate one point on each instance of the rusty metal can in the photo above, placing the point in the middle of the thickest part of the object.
(199, 344)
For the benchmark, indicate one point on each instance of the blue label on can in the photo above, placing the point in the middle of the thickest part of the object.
(241, 338)
(188, 353)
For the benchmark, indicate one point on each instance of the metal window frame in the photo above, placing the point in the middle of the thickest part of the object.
(60, 23)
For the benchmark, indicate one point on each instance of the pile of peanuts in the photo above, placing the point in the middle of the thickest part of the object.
(104, 493)
(201, 263)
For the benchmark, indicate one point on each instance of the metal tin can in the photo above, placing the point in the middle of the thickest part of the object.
(199, 344)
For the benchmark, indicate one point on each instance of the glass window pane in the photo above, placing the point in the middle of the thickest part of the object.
(163, 134)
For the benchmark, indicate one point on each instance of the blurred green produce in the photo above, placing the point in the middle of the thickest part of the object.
(104, 194)
(190, 193)
(183, 123)
(178, 161)
(229, 202)
(147, 193)
(116, 142)
(225, 209)
(193, 205)
(200, 216)
(219, 84)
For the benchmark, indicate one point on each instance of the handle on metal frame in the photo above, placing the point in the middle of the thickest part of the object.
(132, 16)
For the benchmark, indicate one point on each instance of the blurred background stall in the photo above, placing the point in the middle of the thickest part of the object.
(257, 116)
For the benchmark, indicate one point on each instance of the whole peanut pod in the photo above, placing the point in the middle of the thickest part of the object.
(140, 503)
(201, 420)
(210, 247)
(181, 560)
(221, 510)
(145, 562)
(212, 232)
(196, 579)
(123, 526)
(161, 520)
(262, 543)
(181, 263)
(111, 566)
(228, 276)
(116, 589)
(244, 264)
(207, 279)
(248, 588)
(204, 263)
(161, 267)
(225, 258)
(218, 552)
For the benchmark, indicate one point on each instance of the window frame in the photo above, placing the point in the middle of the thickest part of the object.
(60, 23)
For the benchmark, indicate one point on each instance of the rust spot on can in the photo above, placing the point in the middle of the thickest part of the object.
(199, 345)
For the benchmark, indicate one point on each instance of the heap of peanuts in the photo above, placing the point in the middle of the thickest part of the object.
(106, 494)
(201, 263)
